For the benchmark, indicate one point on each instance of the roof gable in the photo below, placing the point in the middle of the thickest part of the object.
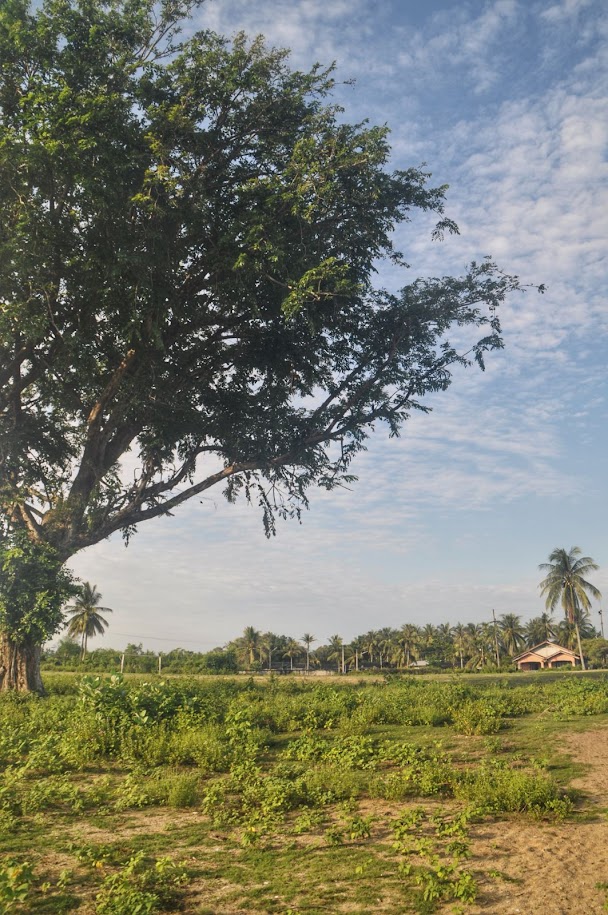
(546, 650)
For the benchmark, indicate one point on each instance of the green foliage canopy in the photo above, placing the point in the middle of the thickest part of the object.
(33, 589)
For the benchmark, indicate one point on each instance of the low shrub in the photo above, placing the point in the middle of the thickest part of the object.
(494, 787)
(142, 887)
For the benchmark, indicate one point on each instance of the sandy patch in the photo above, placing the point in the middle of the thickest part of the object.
(555, 866)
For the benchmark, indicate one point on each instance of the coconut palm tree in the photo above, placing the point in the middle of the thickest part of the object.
(565, 583)
(428, 634)
(335, 651)
(566, 632)
(444, 644)
(386, 644)
(482, 645)
(355, 652)
(406, 646)
(293, 650)
(250, 642)
(307, 640)
(539, 629)
(370, 643)
(86, 616)
(511, 633)
(271, 643)
(462, 641)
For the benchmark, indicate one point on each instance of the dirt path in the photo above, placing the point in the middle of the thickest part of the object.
(553, 869)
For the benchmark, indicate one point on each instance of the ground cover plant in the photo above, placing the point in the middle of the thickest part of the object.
(277, 795)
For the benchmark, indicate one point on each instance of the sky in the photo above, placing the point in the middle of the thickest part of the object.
(507, 103)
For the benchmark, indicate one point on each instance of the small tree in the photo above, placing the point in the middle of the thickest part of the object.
(565, 583)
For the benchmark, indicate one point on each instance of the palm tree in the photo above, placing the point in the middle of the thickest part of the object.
(481, 637)
(307, 640)
(292, 650)
(540, 629)
(428, 635)
(565, 584)
(335, 647)
(87, 620)
(386, 644)
(511, 633)
(406, 647)
(462, 641)
(444, 645)
(370, 643)
(271, 642)
(566, 632)
(355, 651)
(250, 641)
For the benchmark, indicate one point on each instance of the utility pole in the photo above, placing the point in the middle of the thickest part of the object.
(160, 661)
(343, 664)
(601, 613)
(496, 640)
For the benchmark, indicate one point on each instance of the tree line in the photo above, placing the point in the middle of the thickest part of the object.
(470, 646)
(485, 646)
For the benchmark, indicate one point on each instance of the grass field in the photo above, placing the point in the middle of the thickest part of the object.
(128, 797)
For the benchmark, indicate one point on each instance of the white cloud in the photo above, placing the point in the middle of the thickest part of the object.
(566, 10)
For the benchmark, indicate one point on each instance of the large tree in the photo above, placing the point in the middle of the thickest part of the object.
(188, 237)
(565, 583)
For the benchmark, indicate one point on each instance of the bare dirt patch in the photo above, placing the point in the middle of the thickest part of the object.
(591, 749)
(550, 868)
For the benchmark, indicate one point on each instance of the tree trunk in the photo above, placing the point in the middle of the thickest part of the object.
(20, 666)
(580, 650)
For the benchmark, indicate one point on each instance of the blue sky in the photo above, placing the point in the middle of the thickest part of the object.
(507, 102)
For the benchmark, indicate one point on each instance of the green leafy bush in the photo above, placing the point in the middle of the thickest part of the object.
(477, 717)
(15, 883)
(142, 887)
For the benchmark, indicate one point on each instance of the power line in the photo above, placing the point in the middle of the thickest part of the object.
(158, 638)
(162, 638)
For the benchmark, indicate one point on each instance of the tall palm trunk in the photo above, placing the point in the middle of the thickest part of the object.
(578, 642)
